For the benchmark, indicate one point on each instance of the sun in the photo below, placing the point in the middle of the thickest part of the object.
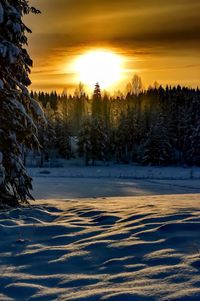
(102, 66)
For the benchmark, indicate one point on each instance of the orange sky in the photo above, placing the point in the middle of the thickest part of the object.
(159, 40)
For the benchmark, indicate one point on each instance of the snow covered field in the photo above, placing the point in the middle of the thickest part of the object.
(113, 181)
(78, 181)
(75, 169)
(140, 248)
(106, 246)
(66, 188)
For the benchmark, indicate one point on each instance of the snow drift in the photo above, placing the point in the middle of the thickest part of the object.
(142, 248)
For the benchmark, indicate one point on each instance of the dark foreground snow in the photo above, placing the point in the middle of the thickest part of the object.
(116, 249)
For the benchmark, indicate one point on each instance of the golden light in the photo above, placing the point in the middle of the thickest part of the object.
(104, 67)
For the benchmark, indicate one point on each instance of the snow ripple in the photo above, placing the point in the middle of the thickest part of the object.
(115, 249)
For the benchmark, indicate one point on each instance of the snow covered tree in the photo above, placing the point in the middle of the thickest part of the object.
(79, 109)
(2, 171)
(156, 149)
(47, 135)
(122, 137)
(192, 134)
(84, 143)
(98, 140)
(93, 140)
(193, 155)
(19, 113)
(63, 136)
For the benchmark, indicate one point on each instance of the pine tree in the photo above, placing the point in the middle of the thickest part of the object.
(84, 140)
(92, 140)
(62, 131)
(78, 108)
(122, 139)
(47, 135)
(18, 112)
(156, 148)
(98, 140)
(96, 102)
(192, 134)
(194, 151)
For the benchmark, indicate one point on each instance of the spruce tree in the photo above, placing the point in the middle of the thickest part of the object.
(47, 135)
(97, 102)
(194, 151)
(63, 137)
(18, 112)
(156, 148)
(78, 112)
(98, 140)
(93, 140)
(84, 140)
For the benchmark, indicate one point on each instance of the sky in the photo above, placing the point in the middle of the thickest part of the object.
(159, 40)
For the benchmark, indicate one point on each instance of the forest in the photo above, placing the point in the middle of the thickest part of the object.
(154, 126)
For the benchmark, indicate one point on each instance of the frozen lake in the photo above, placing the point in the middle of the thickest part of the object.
(64, 188)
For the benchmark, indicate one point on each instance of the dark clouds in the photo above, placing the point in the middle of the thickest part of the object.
(132, 22)
(159, 27)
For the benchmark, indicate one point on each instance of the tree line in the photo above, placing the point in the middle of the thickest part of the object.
(156, 126)
(159, 126)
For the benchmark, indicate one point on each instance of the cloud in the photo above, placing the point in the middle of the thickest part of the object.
(163, 31)
(155, 22)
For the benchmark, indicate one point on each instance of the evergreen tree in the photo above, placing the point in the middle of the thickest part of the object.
(96, 102)
(156, 148)
(98, 140)
(130, 122)
(193, 155)
(53, 99)
(84, 141)
(122, 140)
(18, 111)
(106, 111)
(47, 135)
(63, 136)
(78, 108)
(192, 135)
(93, 140)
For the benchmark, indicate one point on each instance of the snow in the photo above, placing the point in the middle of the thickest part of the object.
(1, 157)
(114, 249)
(2, 170)
(1, 84)
(76, 181)
(95, 233)
(62, 188)
(37, 109)
(1, 14)
(76, 169)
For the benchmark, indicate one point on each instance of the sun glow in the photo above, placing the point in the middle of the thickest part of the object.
(104, 67)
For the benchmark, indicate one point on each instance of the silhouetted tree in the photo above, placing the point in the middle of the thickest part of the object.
(156, 149)
(96, 102)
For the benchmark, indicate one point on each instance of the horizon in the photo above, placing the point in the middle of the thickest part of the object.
(159, 42)
(89, 93)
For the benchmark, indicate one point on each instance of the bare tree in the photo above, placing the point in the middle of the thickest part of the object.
(136, 84)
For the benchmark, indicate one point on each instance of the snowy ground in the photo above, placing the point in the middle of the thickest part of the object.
(65, 188)
(116, 180)
(76, 169)
(69, 248)
(119, 249)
